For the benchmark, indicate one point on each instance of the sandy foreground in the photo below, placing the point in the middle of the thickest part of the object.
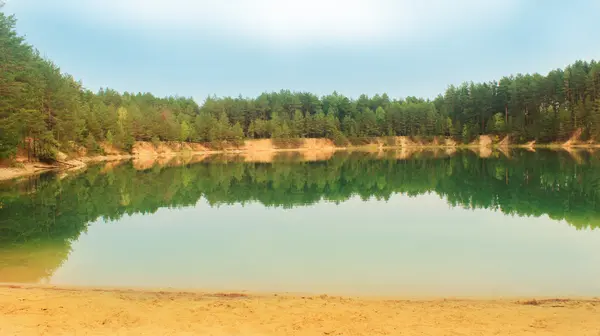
(72, 311)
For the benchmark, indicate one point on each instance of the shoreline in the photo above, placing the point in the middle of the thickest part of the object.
(235, 293)
(40, 309)
(78, 163)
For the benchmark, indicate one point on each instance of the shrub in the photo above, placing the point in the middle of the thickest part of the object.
(339, 139)
(155, 141)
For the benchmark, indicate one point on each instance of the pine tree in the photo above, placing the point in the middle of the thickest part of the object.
(110, 138)
(91, 144)
(381, 117)
(298, 125)
(595, 121)
(237, 134)
(349, 126)
(184, 131)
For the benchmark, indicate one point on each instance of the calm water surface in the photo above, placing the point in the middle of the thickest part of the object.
(357, 223)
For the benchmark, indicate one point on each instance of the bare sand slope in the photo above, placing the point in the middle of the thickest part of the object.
(52, 311)
(29, 169)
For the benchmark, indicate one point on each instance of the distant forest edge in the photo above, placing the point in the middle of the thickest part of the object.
(46, 111)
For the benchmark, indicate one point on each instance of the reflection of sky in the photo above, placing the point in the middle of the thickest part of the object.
(407, 246)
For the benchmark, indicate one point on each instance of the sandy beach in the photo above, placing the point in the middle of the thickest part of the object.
(75, 311)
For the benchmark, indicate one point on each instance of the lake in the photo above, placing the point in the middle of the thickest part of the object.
(427, 224)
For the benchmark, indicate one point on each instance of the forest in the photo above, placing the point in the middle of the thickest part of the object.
(46, 110)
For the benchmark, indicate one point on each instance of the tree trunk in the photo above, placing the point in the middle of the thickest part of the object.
(482, 126)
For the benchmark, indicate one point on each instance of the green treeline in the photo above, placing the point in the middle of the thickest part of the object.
(528, 184)
(55, 112)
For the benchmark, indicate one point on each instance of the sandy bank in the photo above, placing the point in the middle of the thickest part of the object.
(55, 311)
(265, 150)
(35, 168)
(27, 169)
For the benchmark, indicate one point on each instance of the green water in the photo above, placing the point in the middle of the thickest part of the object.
(358, 223)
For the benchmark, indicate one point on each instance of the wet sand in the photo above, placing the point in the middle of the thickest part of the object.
(74, 311)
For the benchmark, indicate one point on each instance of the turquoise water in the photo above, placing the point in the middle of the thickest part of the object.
(356, 224)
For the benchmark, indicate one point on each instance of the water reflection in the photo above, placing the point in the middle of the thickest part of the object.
(42, 217)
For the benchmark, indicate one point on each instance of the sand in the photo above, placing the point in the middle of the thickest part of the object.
(257, 150)
(27, 169)
(72, 311)
(574, 139)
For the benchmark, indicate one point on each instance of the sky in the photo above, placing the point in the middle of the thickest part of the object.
(246, 47)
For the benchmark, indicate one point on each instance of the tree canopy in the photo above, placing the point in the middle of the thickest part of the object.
(45, 110)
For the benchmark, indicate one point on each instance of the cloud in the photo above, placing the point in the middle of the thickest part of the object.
(296, 21)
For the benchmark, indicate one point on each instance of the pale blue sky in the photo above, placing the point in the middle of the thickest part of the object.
(196, 48)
